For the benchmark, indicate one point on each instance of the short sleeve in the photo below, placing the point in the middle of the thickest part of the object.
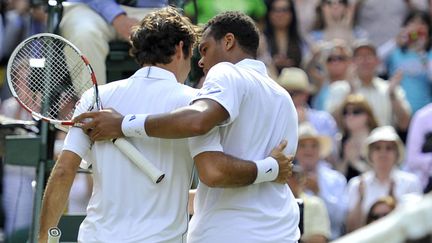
(76, 140)
(205, 143)
(224, 86)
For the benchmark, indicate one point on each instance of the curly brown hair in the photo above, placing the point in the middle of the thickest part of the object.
(154, 39)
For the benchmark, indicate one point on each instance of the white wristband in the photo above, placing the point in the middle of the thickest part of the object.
(267, 170)
(133, 125)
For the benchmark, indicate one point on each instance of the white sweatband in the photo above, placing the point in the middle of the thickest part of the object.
(133, 125)
(267, 170)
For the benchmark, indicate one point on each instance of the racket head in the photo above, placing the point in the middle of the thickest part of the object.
(47, 75)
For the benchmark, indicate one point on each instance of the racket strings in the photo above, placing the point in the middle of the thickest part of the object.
(49, 76)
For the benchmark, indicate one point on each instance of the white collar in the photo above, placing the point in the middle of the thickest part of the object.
(153, 72)
(253, 64)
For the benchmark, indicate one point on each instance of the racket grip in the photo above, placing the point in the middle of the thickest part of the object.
(138, 158)
(54, 234)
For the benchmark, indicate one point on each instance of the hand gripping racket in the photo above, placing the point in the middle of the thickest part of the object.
(48, 75)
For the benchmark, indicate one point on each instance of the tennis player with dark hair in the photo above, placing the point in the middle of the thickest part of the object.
(241, 111)
(126, 206)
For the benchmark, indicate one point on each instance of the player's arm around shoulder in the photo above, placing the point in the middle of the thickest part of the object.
(57, 191)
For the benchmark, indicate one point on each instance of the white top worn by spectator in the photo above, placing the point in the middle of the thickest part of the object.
(264, 212)
(405, 183)
(332, 186)
(376, 95)
(125, 202)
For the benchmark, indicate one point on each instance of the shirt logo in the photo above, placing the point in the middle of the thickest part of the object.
(269, 170)
(132, 118)
(209, 90)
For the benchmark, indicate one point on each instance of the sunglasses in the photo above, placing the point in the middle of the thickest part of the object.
(281, 9)
(337, 58)
(330, 2)
(354, 112)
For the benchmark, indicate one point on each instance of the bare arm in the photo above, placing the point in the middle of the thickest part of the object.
(355, 217)
(216, 169)
(401, 113)
(196, 119)
(57, 191)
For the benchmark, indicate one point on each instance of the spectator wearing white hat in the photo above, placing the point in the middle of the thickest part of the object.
(385, 152)
(296, 82)
(321, 180)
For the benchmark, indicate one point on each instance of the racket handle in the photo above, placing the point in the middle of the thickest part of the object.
(54, 234)
(138, 158)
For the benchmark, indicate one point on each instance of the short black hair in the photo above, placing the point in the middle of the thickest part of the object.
(154, 39)
(240, 25)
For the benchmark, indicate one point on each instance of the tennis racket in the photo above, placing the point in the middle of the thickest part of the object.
(48, 75)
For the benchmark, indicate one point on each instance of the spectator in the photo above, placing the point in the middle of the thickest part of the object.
(381, 208)
(296, 82)
(99, 22)
(316, 223)
(320, 179)
(331, 62)
(356, 121)
(413, 57)
(386, 99)
(284, 43)
(334, 20)
(385, 151)
(419, 146)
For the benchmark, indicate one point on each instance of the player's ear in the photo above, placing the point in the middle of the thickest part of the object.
(179, 50)
(229, 41)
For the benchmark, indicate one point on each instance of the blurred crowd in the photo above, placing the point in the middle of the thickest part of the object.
(360, 75)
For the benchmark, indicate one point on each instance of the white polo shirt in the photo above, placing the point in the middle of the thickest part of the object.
(261, 115)
(125, 205)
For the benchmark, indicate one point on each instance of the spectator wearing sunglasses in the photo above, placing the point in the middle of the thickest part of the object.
(330, 62)
(356, 120)
(386, 98)
(385, 151)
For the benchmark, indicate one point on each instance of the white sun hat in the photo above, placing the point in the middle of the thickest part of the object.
(387, 134)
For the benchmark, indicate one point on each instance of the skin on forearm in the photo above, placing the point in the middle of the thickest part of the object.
(216, 169)
(194, 120)
(355, 218)
(402, 115)
(57, 192)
